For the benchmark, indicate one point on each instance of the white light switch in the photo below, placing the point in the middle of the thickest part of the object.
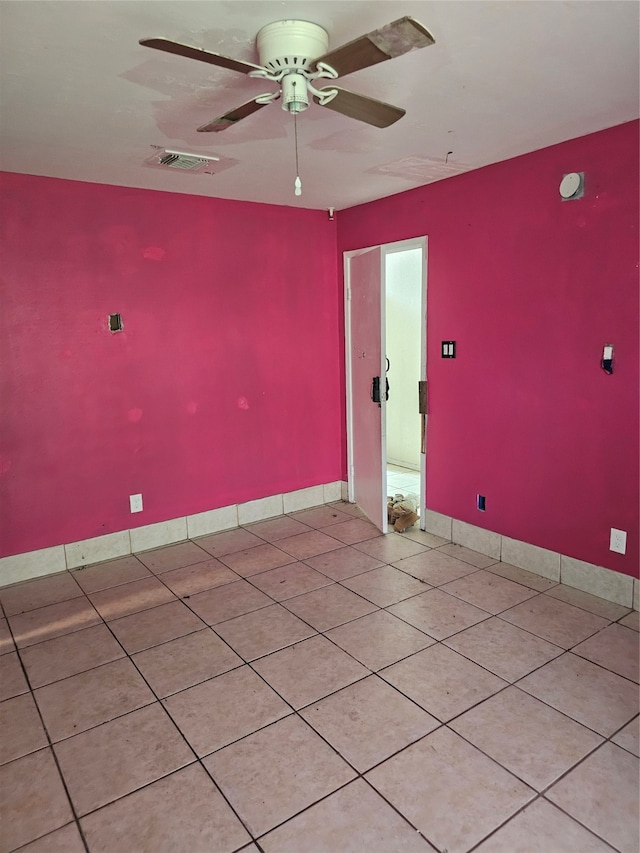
(135, 502)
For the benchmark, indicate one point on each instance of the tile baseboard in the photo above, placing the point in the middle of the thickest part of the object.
(588, 577)
(605, 583)
(48, 561)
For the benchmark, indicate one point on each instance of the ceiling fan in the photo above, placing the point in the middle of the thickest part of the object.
(294, 54)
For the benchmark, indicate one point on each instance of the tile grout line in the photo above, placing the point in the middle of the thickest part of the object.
(371, 671)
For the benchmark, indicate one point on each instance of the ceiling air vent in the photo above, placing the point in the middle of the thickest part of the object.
(183, 160)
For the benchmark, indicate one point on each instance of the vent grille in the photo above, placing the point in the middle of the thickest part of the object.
(182, 161)
(188, 162)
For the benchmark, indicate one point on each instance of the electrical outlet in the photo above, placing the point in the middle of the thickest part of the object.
(481, 503)
(618, 542)
(135, 502)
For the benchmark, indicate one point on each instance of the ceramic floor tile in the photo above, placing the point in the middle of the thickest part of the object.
(309, 671)
(183, 811)
(33, 796)
(390, 548)
(68, 655)
(429, 540)
(105, 763)
(170, 557)
(368, 722)
(532, 740)
(553, 620)
(379, 639)
(321, 516)
(83, 701)
(602, 793)
(438, 614)
(449, 790)
(385, 586)
(226, 602)
(343, 563)
(219, 544)
(328, 607)
(231, 706)
(263, 631)
(311, 544)
(442, 682)
(488, 591)
(36, 626)
(267, 784)
(158, 625)
(111, 573)
(503, 649)
(349, 509)
(354, 530)
(41, 592)
(629, 737)
(258, 559)
(190, 580)
(12, 680)
(480, 561)
(64, 840)
(21, 728)
(542, 828)
(278, 528)
(600, 606)
(288, 581)
(186, 661)
(631, 620)
(522, 576)
(130, 598)
(6, 641)
(434, 567)
(616, 648)
(593, 696)
(352, 820)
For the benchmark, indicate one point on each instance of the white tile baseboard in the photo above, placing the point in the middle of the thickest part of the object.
(46, 561)
(588, 577)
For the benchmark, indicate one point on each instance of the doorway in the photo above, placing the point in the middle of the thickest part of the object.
(385, 318)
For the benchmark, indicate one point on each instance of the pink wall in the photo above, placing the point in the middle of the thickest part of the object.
(216, 392)
(531, 288)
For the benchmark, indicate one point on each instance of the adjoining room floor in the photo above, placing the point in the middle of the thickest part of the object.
(402, 480)
(305, 685)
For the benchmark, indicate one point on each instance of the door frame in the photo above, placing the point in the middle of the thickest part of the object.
(385, 249)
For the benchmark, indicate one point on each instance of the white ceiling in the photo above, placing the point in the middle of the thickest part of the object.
(81, 99)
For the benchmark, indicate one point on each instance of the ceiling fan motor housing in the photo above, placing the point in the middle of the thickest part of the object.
(291, 45)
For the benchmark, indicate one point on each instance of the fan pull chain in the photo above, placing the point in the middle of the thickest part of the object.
(297, 183)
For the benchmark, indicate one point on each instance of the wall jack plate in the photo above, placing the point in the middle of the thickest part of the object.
(135, 502)
(618, 541)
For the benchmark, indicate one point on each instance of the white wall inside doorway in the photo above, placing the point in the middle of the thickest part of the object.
(403, 272)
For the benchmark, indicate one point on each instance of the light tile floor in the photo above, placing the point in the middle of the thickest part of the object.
(305, 685)
(402, 480)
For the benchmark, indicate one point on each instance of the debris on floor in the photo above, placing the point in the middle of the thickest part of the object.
(402, 511)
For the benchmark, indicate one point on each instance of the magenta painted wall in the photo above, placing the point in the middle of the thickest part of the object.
(531, 288)
(218, 390)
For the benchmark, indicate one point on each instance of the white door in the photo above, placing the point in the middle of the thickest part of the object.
(366, 360)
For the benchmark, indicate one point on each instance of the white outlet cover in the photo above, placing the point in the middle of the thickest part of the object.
(135, 502)
(618, 541)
